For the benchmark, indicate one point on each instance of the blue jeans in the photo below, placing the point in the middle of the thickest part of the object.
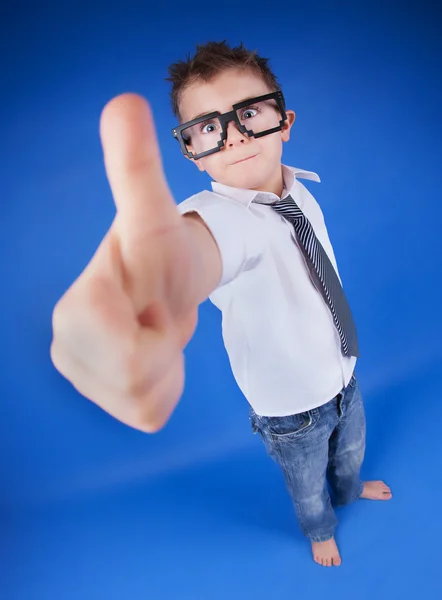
(326, 444)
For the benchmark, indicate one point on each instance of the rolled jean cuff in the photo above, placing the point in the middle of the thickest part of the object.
(352, 498)
(359, 493)
(321, 536)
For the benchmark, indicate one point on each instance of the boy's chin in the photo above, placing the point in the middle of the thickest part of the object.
(242, 178)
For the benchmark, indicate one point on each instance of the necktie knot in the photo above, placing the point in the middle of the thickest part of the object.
(288, 208)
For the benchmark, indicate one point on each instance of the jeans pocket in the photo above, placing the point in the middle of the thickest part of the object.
(291, 427)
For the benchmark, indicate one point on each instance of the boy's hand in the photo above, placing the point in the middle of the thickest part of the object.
(120, 330)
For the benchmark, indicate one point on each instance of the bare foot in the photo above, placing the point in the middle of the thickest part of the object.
(326, 553)
(376, 490)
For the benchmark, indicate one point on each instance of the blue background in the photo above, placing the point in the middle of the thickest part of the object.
(92, 509)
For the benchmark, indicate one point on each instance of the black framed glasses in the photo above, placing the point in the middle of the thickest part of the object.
(255, 117)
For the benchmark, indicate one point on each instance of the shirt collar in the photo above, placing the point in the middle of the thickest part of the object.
(246, 197)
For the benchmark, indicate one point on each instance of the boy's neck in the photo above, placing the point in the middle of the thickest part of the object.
(275, 185)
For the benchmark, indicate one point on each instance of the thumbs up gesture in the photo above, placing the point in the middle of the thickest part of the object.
(119, 331)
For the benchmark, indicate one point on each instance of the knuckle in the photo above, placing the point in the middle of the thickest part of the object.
(143, 412)
(151, 418)
(55, 355)
(136, 378)
(58, 317)
(151, 425)
(152, 400)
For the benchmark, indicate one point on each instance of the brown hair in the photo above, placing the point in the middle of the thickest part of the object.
(209, 61)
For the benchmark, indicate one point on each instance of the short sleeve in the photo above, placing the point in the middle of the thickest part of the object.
(234, 228)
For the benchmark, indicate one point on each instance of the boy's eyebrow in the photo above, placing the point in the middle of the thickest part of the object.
(208, 112)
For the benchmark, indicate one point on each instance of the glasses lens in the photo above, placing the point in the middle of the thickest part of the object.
(203, 136)
(259, 116)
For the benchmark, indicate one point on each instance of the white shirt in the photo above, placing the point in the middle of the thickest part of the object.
(283, 347)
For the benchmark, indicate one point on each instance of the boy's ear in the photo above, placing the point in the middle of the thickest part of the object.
(285, 132)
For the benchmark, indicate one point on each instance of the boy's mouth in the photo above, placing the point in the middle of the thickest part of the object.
(244, 159)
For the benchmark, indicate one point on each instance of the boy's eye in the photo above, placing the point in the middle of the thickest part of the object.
(249, 112)
(208, 127)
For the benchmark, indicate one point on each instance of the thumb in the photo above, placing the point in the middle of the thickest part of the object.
(134, 168)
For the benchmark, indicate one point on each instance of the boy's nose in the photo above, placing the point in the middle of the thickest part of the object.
(234, 136)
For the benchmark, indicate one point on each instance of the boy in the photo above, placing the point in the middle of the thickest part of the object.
(257, 245)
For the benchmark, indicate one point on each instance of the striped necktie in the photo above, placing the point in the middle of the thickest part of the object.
(323, 274)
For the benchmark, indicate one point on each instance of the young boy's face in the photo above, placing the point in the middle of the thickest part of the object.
(262, 169)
